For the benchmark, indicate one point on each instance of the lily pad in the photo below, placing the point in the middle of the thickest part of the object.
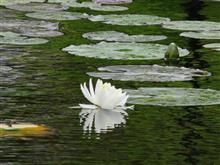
(5, 69)
(90, 5)
(37, 7)
(121, 37)
(59, 15)
(10, 2)
(215, 46)
(30, 28)
(98, 7)
(101, 120)
(113, 1)
(153, 73)
(7, 13)
(192, 25)
(16, 39)
(202, 35)
(61, 1)
(129, 19)
(121, 51)
(174, 96)
(28, 23)
(38, 32)
(8, 72)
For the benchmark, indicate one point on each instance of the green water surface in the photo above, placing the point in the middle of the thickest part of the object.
(152, 135)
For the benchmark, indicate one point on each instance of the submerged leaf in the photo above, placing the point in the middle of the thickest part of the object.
(154, 73)
(121, 37)
(129, 19)
(174, 96)
(124, 51)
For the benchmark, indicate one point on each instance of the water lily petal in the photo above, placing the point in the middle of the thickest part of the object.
(87, 106)
(91, 89)
(86, 93)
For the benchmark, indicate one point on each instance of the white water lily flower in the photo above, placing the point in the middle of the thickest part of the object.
(104, 96)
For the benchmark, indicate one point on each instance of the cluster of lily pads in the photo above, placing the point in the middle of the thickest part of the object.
(117, 46)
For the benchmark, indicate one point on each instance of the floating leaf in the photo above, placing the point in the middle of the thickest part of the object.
(98, 7)
(59, 15)
(95, 6)
(22, 130)
(113, 1)
(130, 19)
(153, 73)
(202, 35)
(16, 39)
(27, 23)
(90, 5)
(4, 69)
(35, 32)
(174, 96)
(31, 7)
(124, 51)
(10, 2)
(192, 25)
(215, 46)
(62, 1)
(30, 28)
(121, 37)
(7, 13)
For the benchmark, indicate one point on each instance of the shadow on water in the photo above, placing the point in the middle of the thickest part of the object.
(193, 119)
(192, 9)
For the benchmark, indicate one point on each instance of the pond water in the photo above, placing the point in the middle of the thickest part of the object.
(39, 84)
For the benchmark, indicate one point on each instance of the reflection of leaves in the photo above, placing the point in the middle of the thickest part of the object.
(101, 120)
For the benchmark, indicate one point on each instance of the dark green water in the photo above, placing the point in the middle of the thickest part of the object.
(48, 84)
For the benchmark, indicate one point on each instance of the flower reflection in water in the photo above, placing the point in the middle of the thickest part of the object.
(102, 120)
